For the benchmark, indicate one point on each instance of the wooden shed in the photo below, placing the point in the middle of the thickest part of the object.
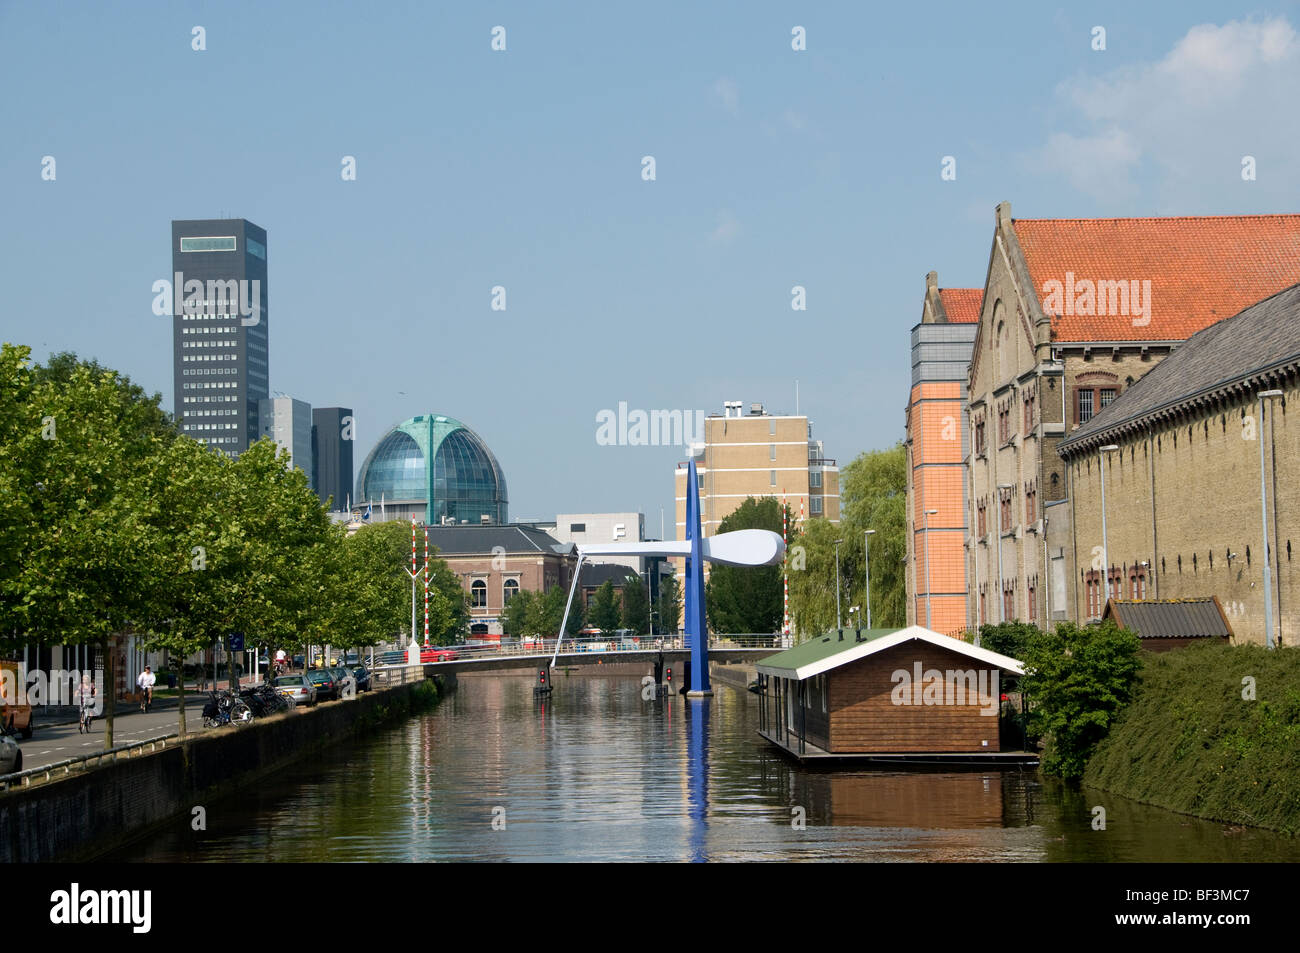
(886, 694)
(1164, 624)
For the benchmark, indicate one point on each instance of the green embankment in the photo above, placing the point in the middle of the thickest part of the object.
(1190, 742)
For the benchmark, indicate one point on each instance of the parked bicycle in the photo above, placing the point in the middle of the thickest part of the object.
(224, 708)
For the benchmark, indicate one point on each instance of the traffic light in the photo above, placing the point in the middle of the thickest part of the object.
(541, 678)
(668, 675)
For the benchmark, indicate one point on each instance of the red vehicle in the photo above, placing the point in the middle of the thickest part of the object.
(437, 653)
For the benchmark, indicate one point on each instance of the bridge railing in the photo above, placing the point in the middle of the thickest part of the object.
(539, 647)
(48, 772)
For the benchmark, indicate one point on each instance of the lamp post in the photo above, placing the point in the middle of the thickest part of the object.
(1263, 519)
(837, 582)
(1002, 604)
(926, 522)
(867, 540)
(1105, 551)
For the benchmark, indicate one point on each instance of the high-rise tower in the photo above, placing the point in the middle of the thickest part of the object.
(220, 327)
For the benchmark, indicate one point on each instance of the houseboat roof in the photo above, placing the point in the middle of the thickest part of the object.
(842, 646)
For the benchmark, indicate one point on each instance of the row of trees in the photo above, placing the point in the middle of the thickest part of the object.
(112, 523)
(539, 615)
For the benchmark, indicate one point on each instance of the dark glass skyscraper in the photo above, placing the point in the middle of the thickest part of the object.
(331, 454)
(220, 322)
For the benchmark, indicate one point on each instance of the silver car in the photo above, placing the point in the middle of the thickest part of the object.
(297, 688)
(11, 756)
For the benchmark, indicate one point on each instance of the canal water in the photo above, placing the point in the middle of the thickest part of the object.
(595, 772)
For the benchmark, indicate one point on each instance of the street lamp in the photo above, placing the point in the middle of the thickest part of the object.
(837, 582)
(1105, 551)
(867, 539)
(1002, 605)
(1263, 519)
(926, 522)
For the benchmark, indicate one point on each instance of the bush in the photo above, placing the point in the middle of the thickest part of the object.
(1078, 679)
(1213, 730)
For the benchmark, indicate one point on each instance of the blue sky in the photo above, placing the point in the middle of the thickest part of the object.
(522, 168)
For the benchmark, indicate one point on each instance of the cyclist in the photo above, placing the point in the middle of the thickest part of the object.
(86, 702)
(145, 684)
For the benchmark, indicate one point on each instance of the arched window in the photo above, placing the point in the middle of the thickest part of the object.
(478, 594)
(511, 590)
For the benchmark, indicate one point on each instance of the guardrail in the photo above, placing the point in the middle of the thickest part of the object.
(24, 778)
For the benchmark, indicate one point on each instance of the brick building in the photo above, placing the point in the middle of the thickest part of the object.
(1184, 514)
(494, 562)
(1074, 312)
(936, 445)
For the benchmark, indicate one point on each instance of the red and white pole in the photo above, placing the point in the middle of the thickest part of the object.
(426, 585)
(785, 575)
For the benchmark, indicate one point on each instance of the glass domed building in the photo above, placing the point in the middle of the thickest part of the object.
(435, 469)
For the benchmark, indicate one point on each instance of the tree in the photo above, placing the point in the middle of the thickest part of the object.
(81, 569)
(1078, 678)
(636, 605)
(747, 598)
(873, 494)
(605, 612)
(669, 607)
(514, 616)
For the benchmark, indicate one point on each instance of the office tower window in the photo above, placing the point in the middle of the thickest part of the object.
(773, 478)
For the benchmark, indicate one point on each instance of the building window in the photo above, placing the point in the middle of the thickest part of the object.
(815, 504)
(771, 451)
(699, 481)
(1031, 504)
(1006, 510)
(773, 478)
(1003, 424)
(1091, 401)
(771, 427)
(979, 436)
(814, 478)
(1029, 413)
(1115, 583)
(577, 527)
(981, 510)
(1092, 583)
(510, 590)
(1031, 591)
(478, 594)
(1008, 600)
(1137, 582)
(983, 613)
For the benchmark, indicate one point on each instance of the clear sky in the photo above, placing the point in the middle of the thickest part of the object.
(523, 168)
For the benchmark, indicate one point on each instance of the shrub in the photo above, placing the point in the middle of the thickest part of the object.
(1078, 679)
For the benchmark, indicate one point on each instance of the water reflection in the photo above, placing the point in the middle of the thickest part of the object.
(595, 772)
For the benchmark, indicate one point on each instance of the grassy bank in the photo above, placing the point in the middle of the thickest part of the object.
(1190, 742)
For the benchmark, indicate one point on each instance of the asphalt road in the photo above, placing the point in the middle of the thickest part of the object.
(51, 743)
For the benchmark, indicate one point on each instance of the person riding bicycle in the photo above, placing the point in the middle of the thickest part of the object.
(86, 704)
(145, 683)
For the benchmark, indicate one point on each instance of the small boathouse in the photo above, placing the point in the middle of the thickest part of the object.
(886, 695)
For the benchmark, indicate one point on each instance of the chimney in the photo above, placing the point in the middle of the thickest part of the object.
(1003, 219)
(932, 282)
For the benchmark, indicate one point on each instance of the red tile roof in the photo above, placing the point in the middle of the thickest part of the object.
(962, 304)
(1200, 269)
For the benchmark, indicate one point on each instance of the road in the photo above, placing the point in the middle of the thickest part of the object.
(51, 743)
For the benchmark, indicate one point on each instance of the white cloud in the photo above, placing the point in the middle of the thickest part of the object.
(1183, 123)
(726, 92)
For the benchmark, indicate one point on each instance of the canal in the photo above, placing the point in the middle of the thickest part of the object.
(597, 773)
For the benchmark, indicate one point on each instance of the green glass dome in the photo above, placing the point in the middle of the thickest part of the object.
(439, 461)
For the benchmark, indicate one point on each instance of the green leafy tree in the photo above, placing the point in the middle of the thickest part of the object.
(873, 497)
(636, 605)
(747, 598)
(1008, 638)
(605, 612)
(1078, 679)
(669, 606)
(514, 616)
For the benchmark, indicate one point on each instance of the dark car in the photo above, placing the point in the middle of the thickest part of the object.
(340, 673)
(362, 675)
(326, 682)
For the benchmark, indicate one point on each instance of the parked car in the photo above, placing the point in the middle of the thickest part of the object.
(326, 684)
(11, 756)
(298, 661)
(298, 688)
(438, 653)
(340, 672)
(362, 675)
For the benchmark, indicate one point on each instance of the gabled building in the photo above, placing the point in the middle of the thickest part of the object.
(1195, 477)
(1074, 312)
(937, 445)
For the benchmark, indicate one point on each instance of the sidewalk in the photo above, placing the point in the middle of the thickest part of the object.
(69, 715)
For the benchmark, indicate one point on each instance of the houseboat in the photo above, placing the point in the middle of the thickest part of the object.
(887, 695)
